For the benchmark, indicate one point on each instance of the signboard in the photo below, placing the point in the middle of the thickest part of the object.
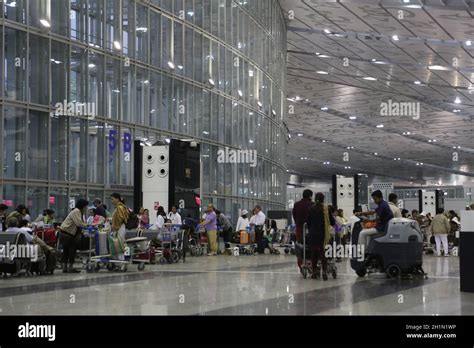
(8, 202)
(52, 199)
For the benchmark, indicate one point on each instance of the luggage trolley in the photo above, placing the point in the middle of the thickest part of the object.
(288, 239)
(198, 242)
(171, 239)
(302, 250)
(98, 253)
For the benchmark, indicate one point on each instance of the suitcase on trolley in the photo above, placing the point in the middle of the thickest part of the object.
(244, 237)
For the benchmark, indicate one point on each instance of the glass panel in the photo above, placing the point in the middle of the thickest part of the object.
(15, 10)
(178, 48)
(155, 38)
(40, 13)
(14, 151)
(166, 42)
(96, 83)
(155, 95)
(96, 144)
(13, 195)
(38, 145)
(128, 23)
(96, 23)
(59, 17)
(112, 88)
(78, 75)
(15, 64)
(39, 74)
(36, 200)
(141, 95)
(59, 148)
(77, 150)
(59, 72)
(142, 33)
(78, 20)
(112, 25)
(58, 201)
(128, 91)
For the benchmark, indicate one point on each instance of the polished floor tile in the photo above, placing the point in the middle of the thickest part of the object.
(244, 285)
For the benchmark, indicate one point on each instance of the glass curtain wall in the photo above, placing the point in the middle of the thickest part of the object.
(81, 78)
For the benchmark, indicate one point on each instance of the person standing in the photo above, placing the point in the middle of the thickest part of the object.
(242, 223)
(259, 229)
(319, 221)
(224, 222)
(160, 219)
(392, 203)
(300, 215)
(70, 234)
(3, 217)
(119, 218)
(210, 224)
(384, 215)
(174, 216)
(440, 228)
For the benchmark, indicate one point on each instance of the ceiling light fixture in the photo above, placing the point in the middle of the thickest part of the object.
(457, 100)
(437, 67)
(45, 23)
(395, 38)
(417, 82)
(171, 65)
(352, 118)
(327, 31)
(117, 45)
(368, 78)
(300, 134)
(322, 72)
(468, 43)
(456, 110)
(324, 108)
(379, 126)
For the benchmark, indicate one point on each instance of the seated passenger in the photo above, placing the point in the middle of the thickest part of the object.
(384, 215)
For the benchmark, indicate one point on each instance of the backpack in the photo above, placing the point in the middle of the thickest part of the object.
(132, 221)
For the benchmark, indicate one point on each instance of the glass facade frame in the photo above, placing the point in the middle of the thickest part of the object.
(153, 69)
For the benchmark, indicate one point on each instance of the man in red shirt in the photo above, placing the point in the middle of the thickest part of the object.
(300, 215)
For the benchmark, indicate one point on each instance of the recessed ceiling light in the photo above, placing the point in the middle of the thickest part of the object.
(327, 31)
(300, 134)
(468, 43)
(322, 72)
(91, 65)
(380, 62)
(374, 60)
(323, 141)
(211, 82)
(395, 37)
(417, 82)
(375, 153)
(457, 100)
(117, 45)
(456, 110)
(437, 67)
(324, 108)
(352, 118)
(45, 23)
(324, 56)
(142, 29)
(171, 65)
(368, 78)
(240, 93)
(259, 103)
(379, 126)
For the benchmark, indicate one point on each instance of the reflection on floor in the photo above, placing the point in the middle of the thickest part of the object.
(244, 285)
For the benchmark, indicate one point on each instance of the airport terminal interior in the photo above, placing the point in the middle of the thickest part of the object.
(237, 157)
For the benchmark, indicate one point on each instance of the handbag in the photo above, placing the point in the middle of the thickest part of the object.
(116, 244)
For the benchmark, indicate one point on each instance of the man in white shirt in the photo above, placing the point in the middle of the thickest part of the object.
(259, 228)
(392, 203)
(174, 216)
